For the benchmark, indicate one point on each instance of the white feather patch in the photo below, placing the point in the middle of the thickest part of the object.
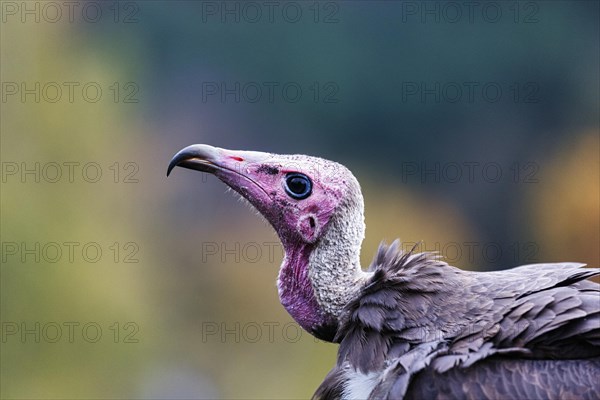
(358, 385)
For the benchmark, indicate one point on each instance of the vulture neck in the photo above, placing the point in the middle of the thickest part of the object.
(317, 280)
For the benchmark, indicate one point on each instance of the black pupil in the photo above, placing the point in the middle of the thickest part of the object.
(298, 186)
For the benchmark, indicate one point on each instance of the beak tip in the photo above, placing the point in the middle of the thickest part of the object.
(170, 168)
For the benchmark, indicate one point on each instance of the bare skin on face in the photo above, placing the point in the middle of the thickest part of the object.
(301, 197)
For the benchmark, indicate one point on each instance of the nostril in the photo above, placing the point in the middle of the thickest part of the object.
(311, 222)
(236, 158)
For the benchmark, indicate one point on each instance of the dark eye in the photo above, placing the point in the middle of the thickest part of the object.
(298, 186)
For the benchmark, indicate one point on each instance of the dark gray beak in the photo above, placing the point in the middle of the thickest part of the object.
(199, 157)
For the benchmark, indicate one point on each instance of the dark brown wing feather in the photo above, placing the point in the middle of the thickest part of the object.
(498, 378)
(534, 314)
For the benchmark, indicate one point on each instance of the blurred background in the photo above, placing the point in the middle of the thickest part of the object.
(473, 129)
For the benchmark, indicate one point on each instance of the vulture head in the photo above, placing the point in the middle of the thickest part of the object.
(316, 208)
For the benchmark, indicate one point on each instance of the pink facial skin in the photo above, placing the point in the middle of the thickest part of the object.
(260, 178)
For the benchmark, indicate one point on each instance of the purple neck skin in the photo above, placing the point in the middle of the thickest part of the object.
(295, 289)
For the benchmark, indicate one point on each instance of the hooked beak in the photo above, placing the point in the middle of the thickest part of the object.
(235, 168)
(199, 157)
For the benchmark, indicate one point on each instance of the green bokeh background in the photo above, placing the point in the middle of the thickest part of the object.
(208, 324)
